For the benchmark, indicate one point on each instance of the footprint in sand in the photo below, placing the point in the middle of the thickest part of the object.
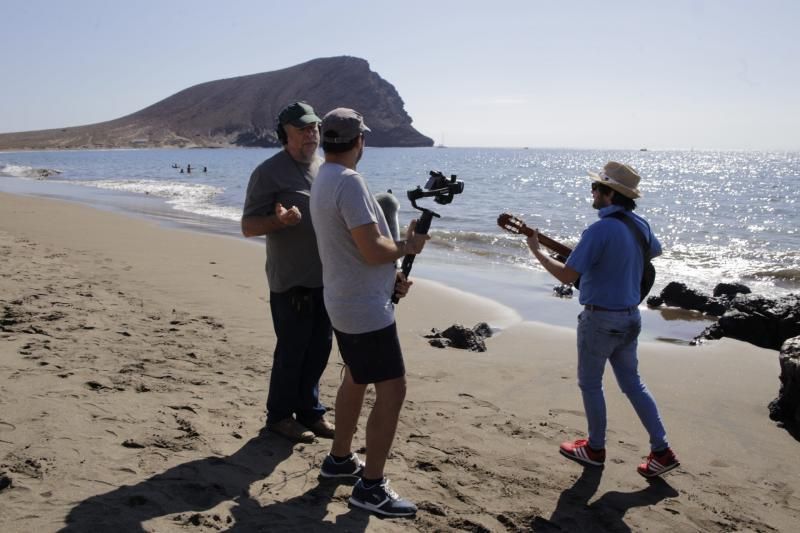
(6, 427)
(556, 412)
(628, 446)
(480, 403)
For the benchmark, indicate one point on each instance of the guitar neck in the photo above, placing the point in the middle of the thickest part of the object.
(549, 243)
(554, 245)
(515, 225)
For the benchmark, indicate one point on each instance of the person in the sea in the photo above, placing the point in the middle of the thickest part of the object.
(358, 265)
(277, 205)
(609, 261)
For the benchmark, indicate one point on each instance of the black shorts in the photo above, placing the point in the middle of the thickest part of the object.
(374, 356)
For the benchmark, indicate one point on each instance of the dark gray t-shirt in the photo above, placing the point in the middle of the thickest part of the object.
(292, 256)
(357, 295)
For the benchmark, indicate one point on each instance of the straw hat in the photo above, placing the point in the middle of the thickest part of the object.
(619, 177)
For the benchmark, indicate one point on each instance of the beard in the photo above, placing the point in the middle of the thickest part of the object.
(308, 151)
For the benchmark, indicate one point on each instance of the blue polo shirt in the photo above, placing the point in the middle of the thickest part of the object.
(609, 260)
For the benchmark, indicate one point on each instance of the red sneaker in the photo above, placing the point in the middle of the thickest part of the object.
(580, 451)
(658, 463)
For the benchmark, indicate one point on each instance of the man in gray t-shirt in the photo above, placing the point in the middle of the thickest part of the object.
(358, 265)
(277, 205)
(357, 294)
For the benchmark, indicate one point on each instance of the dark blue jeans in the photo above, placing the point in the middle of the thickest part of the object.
(304, 338)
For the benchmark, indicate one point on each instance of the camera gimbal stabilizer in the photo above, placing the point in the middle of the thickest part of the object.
(442, 189)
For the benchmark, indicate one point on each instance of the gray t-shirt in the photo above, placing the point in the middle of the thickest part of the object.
(357, 295)
(292, 256)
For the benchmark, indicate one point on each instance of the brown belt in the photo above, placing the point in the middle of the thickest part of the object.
(591, 307)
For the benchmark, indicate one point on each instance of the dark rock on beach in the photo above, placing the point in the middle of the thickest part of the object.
(459, 336)
(241, 111)
(5, 481)
(677, 294)
(439, 342)
(655, 301)
(482, 329)
(765, 322)
(730, 289)
(786, 407)
(563, 291)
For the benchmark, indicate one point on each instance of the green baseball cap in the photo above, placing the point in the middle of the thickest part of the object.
(298, 114)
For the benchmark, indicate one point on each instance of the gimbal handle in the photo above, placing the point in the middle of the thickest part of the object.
(422, 227)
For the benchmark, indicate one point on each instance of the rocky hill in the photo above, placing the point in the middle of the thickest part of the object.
(241, 112)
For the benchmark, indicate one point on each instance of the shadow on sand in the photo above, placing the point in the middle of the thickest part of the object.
(574, 512)
(197, 486)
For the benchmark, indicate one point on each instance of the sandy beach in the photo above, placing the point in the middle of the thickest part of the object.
(134, 363)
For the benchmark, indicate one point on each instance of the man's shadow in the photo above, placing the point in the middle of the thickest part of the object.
(574, 512)
(305, 512)
(191, 488)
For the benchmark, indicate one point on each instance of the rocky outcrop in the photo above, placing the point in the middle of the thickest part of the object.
(458, 336)
(677, 294)
(241, 111)
(765, 322)
(786, 407)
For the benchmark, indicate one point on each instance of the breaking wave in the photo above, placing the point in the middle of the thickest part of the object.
(784, 274)
(188, 197)
(22, 171)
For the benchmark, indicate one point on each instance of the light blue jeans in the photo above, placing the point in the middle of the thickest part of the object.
(613, 336)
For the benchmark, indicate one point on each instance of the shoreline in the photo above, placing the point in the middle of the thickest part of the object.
(134, 362)
(528, 292)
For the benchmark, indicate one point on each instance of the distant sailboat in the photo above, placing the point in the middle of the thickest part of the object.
(441, 142)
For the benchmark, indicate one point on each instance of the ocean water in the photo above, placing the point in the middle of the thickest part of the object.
(721, 216)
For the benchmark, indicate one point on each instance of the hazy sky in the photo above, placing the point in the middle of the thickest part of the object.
(614, 74)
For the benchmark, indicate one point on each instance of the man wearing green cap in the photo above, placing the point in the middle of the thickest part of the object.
(277, 206)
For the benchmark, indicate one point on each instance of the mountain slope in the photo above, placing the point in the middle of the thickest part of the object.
(241, 111)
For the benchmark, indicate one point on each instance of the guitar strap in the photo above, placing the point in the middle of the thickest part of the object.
(648, 270)
(637, 233)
